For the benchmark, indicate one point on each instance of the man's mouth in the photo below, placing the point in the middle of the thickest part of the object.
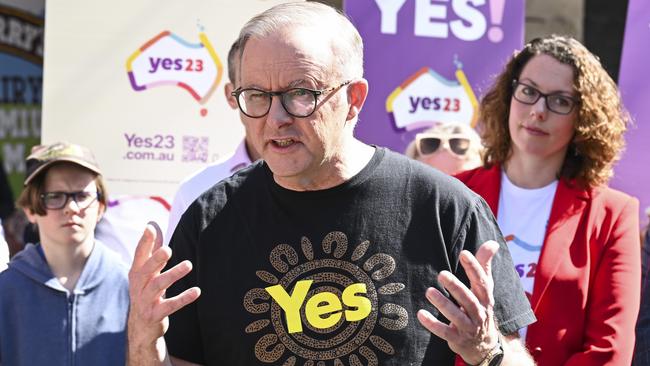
(283, 142)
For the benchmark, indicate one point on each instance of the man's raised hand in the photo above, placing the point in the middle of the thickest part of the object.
(472, 331)
(149, 309)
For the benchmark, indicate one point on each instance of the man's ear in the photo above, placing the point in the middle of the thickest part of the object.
(228, 88)
(357, 93)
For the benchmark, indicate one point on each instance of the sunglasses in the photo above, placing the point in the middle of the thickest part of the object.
(428, 144)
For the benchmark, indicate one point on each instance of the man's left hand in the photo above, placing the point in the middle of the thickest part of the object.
(472, 332)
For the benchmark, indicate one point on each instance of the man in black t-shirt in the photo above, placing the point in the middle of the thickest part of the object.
(327, 251)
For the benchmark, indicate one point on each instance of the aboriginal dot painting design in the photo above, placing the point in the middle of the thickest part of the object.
(339, 266)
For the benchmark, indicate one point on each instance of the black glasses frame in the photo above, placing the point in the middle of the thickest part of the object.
(68, 196)
(516, 83)
(314, 92)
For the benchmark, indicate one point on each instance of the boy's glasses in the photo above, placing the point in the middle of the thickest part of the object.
(58, 200)
(427, 144)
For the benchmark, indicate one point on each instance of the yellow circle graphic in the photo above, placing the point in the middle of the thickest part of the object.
(318, 284)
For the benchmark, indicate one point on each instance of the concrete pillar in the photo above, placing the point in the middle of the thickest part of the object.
(544, 17)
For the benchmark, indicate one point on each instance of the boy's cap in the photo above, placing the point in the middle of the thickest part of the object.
(45, 155)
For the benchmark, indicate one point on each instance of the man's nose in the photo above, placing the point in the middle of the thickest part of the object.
(278, 115)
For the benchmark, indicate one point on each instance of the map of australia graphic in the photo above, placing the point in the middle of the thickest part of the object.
(168, 59)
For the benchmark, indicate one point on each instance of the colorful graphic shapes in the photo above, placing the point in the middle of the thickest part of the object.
(124, 199)
(495, 34)
(426, 98)
(167, 59)
(522, 244)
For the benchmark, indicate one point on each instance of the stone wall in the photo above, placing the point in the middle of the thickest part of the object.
(563, 17)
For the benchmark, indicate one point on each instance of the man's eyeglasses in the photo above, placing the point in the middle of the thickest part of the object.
(58, 200)
(298, 102)
(428, 144)
(558, 103)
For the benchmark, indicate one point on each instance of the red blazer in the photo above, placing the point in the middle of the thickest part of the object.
(586, 292)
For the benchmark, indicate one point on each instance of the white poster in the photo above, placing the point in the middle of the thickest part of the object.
(141, 84)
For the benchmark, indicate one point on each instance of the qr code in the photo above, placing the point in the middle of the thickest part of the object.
(195, 148)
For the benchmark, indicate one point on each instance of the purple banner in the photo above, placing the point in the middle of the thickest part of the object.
(429, 61)
(632, 174)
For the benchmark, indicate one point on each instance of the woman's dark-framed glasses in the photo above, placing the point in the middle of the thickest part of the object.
(298, 102)
(428, 144)
(556, 102)
(58, 200)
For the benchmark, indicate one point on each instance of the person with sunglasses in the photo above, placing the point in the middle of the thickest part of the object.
(63, 301)
(448, 147)
(553, 127)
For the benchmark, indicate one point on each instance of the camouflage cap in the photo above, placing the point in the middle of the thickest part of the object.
(44, 156)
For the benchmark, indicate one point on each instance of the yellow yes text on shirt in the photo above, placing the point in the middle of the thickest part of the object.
(322, 310)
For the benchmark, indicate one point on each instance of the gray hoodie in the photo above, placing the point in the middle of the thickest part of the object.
(41, 323)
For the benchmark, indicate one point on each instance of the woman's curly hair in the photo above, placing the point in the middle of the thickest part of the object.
(599, 126)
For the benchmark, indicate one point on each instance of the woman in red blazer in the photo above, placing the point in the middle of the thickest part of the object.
(553, 122)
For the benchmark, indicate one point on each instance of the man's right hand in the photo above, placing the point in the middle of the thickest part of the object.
(149, 310)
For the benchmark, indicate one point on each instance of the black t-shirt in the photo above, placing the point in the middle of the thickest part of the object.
(336, 275)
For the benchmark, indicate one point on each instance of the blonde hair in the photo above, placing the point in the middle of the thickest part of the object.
(475, 147)
(599, 127)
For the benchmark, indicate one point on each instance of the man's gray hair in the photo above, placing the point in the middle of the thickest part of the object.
(233, 62)
(346, 41)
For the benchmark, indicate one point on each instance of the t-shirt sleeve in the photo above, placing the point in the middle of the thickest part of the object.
(178, 208)
(511, 308)
(183, 337)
